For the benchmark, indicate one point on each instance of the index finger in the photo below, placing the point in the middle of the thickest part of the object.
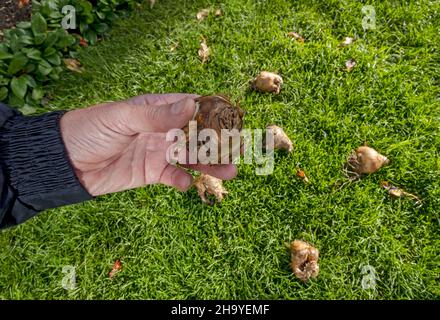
(160, 99)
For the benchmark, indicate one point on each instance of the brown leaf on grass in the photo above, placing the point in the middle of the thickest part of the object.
(302, 175)
(218, 12)
(117, 266)
(396, 192)
(350, 64)
(206, 184)
(203, 14)
(83, 43)
(304, 260)
(174, 46)
(204, 51)
(295, 36)
(267, 82)
(346, 42)
(23, 3)
(73, 65)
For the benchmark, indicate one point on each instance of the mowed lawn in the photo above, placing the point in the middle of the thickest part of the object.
(172, 246)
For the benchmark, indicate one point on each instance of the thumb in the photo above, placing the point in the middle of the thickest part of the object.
(162, 118)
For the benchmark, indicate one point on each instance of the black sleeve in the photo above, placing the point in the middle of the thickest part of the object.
(35, 171)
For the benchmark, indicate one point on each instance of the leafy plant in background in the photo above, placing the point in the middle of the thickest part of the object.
(93, 18)
(31, 54)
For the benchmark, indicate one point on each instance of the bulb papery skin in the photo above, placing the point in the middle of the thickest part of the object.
(281, 140)
(217, 112)
(304, 260)
(268, 82)
(366, 160)
(206, 185)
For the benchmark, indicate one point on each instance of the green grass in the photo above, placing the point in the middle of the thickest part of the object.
(174, 247)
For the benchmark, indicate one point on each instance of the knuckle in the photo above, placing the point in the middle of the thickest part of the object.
(153, 114)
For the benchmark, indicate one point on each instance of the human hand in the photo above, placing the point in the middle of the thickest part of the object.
(122, 145)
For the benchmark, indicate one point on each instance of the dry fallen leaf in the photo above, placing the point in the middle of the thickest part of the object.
(218, 12)
(117, 266)
(281, 140)
(302, 175)
(304, 260)
(152, 3)
(204, 51)
(202, 14)
(73, 65)
(365, 160)
(206, 184)
(83, 43)
(347, 41)
(397, 192)
(296, 36)
(174, 46)
(350, 64)
(267, 82)
(23, 3)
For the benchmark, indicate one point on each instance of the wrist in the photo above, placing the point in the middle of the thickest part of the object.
(34, 157)
(67, 136)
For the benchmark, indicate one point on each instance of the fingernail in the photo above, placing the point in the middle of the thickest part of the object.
(179, 107)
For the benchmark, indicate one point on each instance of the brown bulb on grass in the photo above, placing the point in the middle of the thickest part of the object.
(281, 140)
(304, 260)
(366, 160)
(267, 82)
(206, 185)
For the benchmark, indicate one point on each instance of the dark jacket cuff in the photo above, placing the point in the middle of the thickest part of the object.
(36, 164)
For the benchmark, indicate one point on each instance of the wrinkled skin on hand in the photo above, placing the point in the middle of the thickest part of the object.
(122, 145)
